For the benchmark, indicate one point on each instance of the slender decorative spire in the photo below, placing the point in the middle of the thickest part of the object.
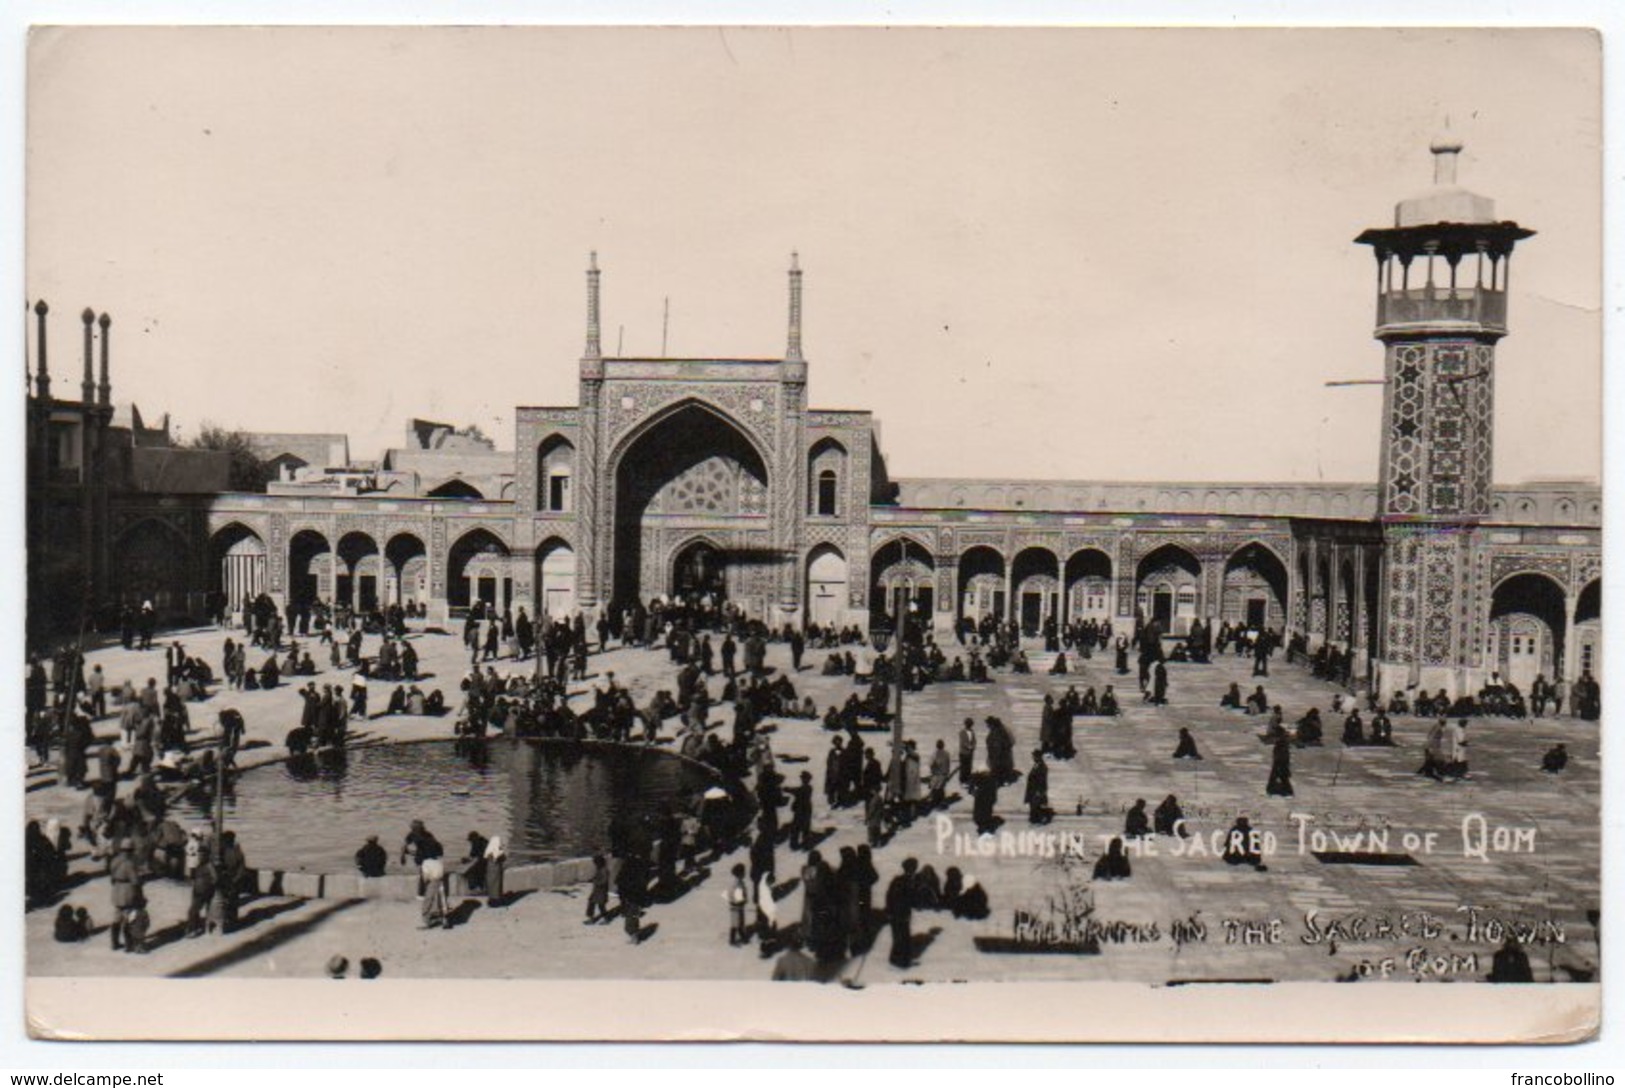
(106, 389)
(1445, 147)
(42, 381)
(594, 348)
(87, 387)
(793, 350)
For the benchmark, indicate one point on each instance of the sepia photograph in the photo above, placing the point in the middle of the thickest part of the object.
(1030, 533)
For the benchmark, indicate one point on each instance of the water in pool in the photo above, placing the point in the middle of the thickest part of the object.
(547, 800)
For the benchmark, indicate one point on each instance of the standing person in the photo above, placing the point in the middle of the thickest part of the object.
(598, 897)
(1037, 795)
(900, 914)
(911, 781)
(1456, 761)
(967, 751)
(230, 880)
(984, 789)
(632, 884)
(1280, 782)
(124, 874)
(798, 646)
(420, 845)
(432, 879)
(941, 769)
(203, 892)
(801, 810)
(832, 773)
(738, 896)
(767, 916)
(496, 865)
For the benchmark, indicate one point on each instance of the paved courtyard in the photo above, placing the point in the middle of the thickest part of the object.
(1183, 916)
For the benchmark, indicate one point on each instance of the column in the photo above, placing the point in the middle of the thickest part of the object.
(1571, 652)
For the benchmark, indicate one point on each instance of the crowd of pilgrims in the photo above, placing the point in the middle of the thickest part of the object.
(136, 836)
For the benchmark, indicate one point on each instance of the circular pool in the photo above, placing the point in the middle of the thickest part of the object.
(548, 800)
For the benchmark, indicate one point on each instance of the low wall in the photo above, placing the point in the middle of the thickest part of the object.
(403, 887)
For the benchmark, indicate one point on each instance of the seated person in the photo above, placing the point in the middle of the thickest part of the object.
(1059, 668)
(1241, 846)
(436, 703)
(964, 896)
(1169, 819)
(1018, 663)
(307, 667)
(1382, 731)
(956, 671)
(397, 701)
(1398, 704)
(372, 859)
(1108, 703)
(833, 666)
(1136, 824)
(1555, 760)
(1310, 733)
(1258, 702)
(1113, 864)
(1187, 745)
(1231, 700)
(1179, 653)
(1353, 730)
(71, 926)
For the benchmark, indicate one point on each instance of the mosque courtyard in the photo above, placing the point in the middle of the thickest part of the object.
(1509, 850)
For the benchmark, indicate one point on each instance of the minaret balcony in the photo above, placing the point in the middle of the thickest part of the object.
(1470, 309)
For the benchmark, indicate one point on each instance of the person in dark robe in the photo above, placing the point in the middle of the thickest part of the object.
(1310, 731)
(1186, 749)
(963, 896)
(1353, 730)
(984, 789)
(1108, 703)
(1555, 760)
(1280, 781)
(1241, 845)
(900, 914)
(1113, 864)
(1169, 819)
(1159, 684)
(1231, 700)
(474, 871)
(1258, 702)
(1001, 756)
(1511, 963)
(67, 928)
(372, 859)
(1136, 825)
(1382, 730)
(1037, 793)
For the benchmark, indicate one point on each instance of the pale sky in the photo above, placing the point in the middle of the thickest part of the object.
(1032, 253)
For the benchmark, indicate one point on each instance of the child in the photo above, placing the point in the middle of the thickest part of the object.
(598, 901)
(738, 896)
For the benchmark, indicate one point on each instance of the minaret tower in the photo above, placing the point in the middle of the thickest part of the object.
(1443, 271)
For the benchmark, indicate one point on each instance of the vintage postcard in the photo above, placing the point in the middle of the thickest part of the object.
(472, 594)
